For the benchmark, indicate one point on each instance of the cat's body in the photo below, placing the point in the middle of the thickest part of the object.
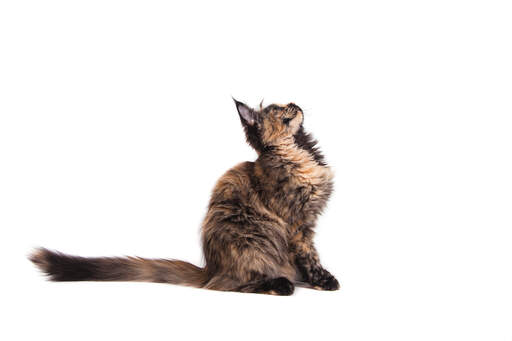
(257, 234)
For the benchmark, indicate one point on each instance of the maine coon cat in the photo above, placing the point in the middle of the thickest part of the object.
(257, 235)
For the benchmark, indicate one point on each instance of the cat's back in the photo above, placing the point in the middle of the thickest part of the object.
(232, 197)
(234, 184)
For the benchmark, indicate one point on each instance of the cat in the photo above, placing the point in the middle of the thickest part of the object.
(257, 235)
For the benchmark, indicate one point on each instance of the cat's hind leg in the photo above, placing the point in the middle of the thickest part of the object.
(281, 286)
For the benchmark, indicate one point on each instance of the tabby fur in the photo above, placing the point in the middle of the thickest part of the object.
(257, 235)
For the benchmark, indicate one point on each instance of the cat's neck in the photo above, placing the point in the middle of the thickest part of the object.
(286, 155)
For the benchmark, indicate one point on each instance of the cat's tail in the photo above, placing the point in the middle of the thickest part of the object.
(62, 267)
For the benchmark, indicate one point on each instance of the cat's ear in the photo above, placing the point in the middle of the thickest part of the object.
(247, 114)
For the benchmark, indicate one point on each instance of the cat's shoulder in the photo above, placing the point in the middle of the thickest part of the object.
(238, 176)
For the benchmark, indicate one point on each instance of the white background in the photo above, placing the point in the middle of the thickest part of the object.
(117, 119)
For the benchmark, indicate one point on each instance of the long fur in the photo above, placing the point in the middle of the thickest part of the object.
(258, 232)
(61, 267)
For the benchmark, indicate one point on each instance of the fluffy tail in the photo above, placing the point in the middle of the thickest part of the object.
(61, 267)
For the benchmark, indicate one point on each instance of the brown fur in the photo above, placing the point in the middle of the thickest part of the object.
(258, 232)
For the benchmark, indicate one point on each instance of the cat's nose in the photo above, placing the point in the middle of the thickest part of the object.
(294, 106)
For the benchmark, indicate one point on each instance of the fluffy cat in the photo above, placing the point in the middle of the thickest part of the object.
(257, 235)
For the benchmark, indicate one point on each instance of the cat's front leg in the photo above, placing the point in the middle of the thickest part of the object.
(307, 261)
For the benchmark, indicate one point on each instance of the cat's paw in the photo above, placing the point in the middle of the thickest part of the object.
(282, 286)
(325, 281)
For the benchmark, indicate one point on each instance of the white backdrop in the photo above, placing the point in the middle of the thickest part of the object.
(117, 119)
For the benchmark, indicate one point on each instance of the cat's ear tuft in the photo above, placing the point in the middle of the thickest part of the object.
(247, 114)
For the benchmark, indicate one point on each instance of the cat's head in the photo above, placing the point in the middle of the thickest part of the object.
(270, 125)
